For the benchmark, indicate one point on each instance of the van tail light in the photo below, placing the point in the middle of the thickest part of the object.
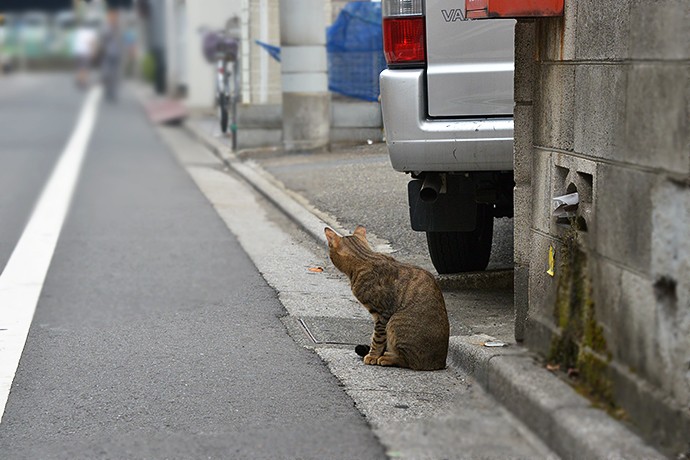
(403, 33)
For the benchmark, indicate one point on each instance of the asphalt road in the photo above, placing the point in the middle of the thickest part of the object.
(154, 335)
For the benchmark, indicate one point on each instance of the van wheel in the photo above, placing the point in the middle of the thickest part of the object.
(455, 252)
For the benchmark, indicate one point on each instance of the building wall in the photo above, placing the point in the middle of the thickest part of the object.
(602, 107)
(175, 16)
(213, 14)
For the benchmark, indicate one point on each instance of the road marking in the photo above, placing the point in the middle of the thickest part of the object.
(22, 280)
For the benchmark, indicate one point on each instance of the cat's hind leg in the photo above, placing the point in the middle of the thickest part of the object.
(393, 355)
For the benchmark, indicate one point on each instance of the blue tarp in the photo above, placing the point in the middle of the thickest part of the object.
(355, 51)
(273, 51)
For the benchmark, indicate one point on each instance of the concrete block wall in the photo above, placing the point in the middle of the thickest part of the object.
(523, 158)
(602, 107)
(352, 122)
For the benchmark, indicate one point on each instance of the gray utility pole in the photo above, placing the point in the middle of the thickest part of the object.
(304, 72)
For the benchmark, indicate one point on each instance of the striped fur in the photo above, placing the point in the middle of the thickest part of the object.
(410, 320)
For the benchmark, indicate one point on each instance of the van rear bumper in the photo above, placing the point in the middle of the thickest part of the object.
(417, 143)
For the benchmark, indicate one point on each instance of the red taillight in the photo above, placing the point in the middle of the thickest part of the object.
(403, 40)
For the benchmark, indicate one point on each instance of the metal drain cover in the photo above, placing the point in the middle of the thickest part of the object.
(337, 331)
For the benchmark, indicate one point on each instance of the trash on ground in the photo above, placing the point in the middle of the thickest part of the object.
(495, 343)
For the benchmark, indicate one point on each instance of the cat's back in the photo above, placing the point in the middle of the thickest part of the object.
(412, 279)
(419, 291)
(420, 324)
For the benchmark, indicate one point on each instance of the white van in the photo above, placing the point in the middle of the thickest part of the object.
(447, 103)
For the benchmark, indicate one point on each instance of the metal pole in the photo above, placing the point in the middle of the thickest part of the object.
(234, 98)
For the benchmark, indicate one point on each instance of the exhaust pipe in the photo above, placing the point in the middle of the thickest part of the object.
(431, 187)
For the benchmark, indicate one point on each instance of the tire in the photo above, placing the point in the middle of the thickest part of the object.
(455, 252)
(223, 111)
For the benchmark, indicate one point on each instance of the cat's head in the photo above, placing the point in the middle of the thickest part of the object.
(345, 250)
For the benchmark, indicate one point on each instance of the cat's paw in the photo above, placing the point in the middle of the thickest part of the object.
(390, 359)
(371, 359)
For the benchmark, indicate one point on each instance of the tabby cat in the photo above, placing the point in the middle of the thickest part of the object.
(410, 320)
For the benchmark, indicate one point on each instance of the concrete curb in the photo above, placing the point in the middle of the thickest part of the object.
(565, 421)
(291, 206)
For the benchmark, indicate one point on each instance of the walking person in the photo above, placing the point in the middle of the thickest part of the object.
(113, 49)
(84, 46)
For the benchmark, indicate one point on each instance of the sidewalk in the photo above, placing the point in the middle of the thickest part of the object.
(356, 185)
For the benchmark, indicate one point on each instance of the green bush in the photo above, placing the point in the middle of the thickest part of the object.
(148, 68)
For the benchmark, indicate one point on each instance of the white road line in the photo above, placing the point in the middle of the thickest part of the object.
(22, 280)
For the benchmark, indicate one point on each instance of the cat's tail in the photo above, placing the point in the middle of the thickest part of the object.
(362, 350)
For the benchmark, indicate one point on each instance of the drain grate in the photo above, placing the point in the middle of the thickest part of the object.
(337, 331)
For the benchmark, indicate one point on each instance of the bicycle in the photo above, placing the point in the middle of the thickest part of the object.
(222, 49)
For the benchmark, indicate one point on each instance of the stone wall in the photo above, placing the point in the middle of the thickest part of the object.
(602, 107)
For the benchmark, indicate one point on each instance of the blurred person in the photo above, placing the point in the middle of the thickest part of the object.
(113, 48)
(84, 46)
(131, 40)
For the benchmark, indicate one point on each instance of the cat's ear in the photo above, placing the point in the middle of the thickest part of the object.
(361, 232)
(332, 237)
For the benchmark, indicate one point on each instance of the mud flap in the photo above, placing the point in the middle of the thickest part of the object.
(453, 211)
